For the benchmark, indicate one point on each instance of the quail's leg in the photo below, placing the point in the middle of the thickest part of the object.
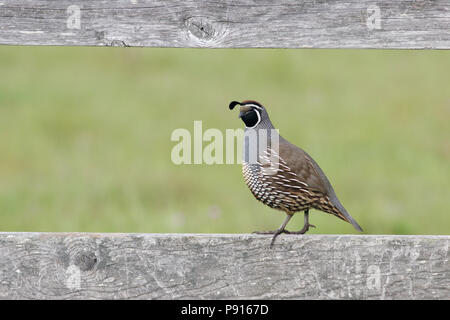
(305, 226)
(277, 232)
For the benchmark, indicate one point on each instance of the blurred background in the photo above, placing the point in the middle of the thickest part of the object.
(85, 137)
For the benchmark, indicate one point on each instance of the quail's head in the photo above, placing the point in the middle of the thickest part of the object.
(251, 112)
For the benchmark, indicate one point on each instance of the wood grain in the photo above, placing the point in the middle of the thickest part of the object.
(212, 266)
(411, 24)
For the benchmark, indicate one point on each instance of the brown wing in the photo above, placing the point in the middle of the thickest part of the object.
(300, 163)
(301, 178)
(295, 181)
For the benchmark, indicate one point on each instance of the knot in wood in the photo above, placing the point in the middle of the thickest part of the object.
(117, 43)
(85, 260)
(99, 35)
(201, 28)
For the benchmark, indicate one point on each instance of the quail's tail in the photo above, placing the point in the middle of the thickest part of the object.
(343, 214)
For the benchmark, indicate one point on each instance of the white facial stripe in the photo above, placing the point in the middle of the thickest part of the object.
(253, 105)
(259, 119)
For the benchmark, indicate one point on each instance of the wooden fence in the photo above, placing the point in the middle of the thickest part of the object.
(201, 266)
(228, 23)
(165, 266)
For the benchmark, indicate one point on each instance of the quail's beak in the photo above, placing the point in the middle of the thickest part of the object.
(243, 110)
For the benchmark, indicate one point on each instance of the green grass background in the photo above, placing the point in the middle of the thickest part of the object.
(85, 137)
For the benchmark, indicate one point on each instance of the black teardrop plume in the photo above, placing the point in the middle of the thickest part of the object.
(233, 104)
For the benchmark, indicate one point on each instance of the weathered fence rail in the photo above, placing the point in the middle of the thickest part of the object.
(166, 266)
(207, 266)
(228, 23)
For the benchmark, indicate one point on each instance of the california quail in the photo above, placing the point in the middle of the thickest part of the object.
(296, 184)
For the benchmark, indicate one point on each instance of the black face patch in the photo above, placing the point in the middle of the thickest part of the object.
(250, 118)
